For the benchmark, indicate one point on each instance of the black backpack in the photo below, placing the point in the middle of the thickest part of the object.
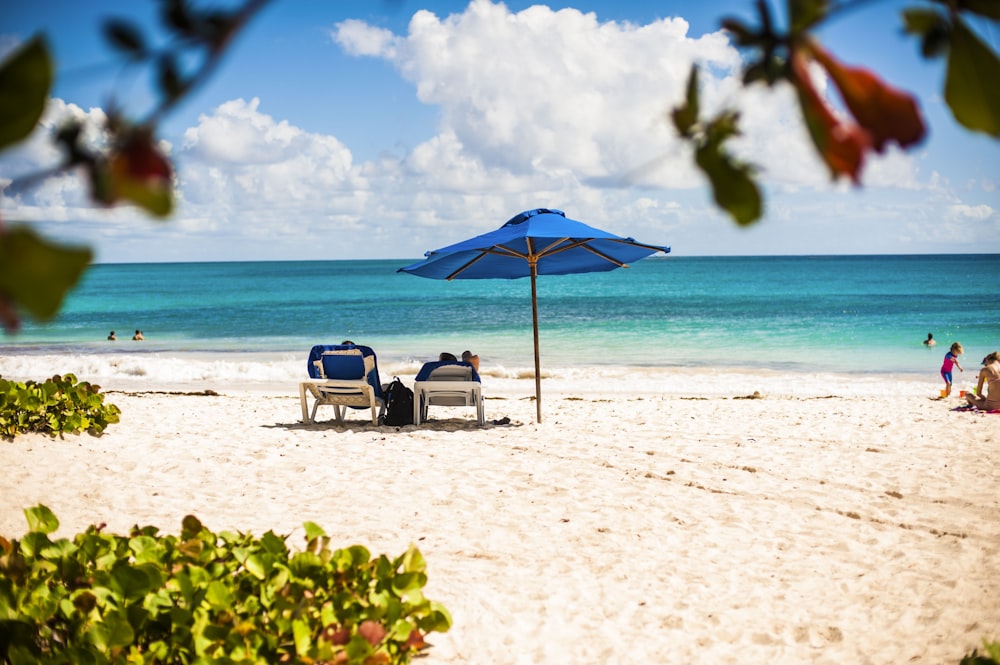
(398, 404)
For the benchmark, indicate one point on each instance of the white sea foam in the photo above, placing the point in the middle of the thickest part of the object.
(251, 371)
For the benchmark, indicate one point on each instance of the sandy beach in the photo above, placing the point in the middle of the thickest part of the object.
(654, 516)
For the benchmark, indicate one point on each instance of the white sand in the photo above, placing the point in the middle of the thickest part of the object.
(651, 518)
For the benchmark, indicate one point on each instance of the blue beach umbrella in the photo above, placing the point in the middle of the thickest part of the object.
(533, 243)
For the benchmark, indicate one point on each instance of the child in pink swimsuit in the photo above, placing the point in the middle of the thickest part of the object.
(950, 361)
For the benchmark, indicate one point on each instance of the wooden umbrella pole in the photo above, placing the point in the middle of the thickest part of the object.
(534, 321)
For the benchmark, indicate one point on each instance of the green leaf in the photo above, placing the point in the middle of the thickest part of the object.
(131, 583)
(987, 8)
(920, 21)
(272, 544)
(125, 37)
(413, 561)
(154, 198)
(437, 620)
(405, 582)
(358, 649)
(218, 595)
(303, 638)
(113, 632)
(932, 28)
(37, 273)
(313, 530)
(172, 85)
(741, 34)
(190, 527)
(258, 566)
(970, 87)
(733, 187)
(146, 548)
(40, 518)
(25, 81)
(360, 555)
(686, 117)
(34, 544)
(803, 14)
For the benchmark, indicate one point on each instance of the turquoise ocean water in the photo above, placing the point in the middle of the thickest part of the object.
(852, 314)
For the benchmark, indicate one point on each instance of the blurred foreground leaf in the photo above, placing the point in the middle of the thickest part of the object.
(25, 80)
(733, 186)
(987, 8)
(972, 86)
(36, 273)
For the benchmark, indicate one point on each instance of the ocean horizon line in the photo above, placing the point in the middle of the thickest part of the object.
(673, 255)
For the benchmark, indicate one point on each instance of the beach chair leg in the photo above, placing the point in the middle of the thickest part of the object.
(374, 416)
(481, 412)
(416, 408)
(304, 402)
(340, 416)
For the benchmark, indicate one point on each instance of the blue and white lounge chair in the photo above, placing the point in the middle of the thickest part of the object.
(342, 375)
(447, 383)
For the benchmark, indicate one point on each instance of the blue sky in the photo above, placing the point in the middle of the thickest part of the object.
(382, 129)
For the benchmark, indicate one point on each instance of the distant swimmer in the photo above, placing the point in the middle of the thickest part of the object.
(111, 336)
(930, 340)
(138, 335)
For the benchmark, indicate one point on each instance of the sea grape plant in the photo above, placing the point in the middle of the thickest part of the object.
(990, 655)
(59, 405)
(207, 598)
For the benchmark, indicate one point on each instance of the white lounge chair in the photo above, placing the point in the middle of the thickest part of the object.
(342, 375)
(447, 383)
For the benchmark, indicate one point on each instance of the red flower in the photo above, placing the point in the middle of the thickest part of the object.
(139, 160)
(136, 172)
(886, 113)
(841, 145)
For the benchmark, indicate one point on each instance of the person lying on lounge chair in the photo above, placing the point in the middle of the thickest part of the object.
(472, 359)
(467, 357)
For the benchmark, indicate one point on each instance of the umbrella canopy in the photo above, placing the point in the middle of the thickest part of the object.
(532, 243)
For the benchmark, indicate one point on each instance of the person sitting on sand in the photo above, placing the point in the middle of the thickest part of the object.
(112, 337)
(989, 376)
(930, 340)
(472, 359)
(950, 361)
(138, 336)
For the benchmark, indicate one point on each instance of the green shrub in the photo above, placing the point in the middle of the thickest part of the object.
(207, 598)
(59, 405)
(990, 655)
